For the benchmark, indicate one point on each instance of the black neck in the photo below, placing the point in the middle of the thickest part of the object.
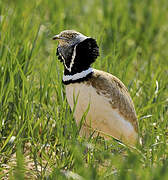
(86, 53)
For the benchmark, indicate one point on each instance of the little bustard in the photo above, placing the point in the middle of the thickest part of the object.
(111, 109)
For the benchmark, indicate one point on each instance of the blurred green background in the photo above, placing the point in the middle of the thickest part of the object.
(38, 135)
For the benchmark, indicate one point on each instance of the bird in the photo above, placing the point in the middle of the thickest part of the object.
(102, 97)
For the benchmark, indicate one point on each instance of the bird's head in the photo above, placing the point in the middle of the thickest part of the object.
(69, 38)
(76, 51)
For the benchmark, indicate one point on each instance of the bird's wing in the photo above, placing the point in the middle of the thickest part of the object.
(111, 87)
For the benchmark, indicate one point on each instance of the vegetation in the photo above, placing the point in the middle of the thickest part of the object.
(39, 138)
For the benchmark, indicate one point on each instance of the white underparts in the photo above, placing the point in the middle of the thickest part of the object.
(77, 75)
(101, 116)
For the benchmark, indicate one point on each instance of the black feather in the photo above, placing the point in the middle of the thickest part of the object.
(59, 57)
(86, 53)
(66, 52)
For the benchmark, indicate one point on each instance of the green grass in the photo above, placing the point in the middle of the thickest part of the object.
(133, 37)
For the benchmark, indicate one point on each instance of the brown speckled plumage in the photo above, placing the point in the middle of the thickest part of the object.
(111, 87)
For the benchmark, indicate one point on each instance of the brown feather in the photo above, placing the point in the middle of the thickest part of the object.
(119, 98)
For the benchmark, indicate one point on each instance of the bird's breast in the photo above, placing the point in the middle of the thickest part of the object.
(101, 116)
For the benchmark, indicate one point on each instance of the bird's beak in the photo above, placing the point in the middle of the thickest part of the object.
(58, 37)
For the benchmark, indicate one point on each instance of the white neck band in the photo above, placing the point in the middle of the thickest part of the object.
(77, 75)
